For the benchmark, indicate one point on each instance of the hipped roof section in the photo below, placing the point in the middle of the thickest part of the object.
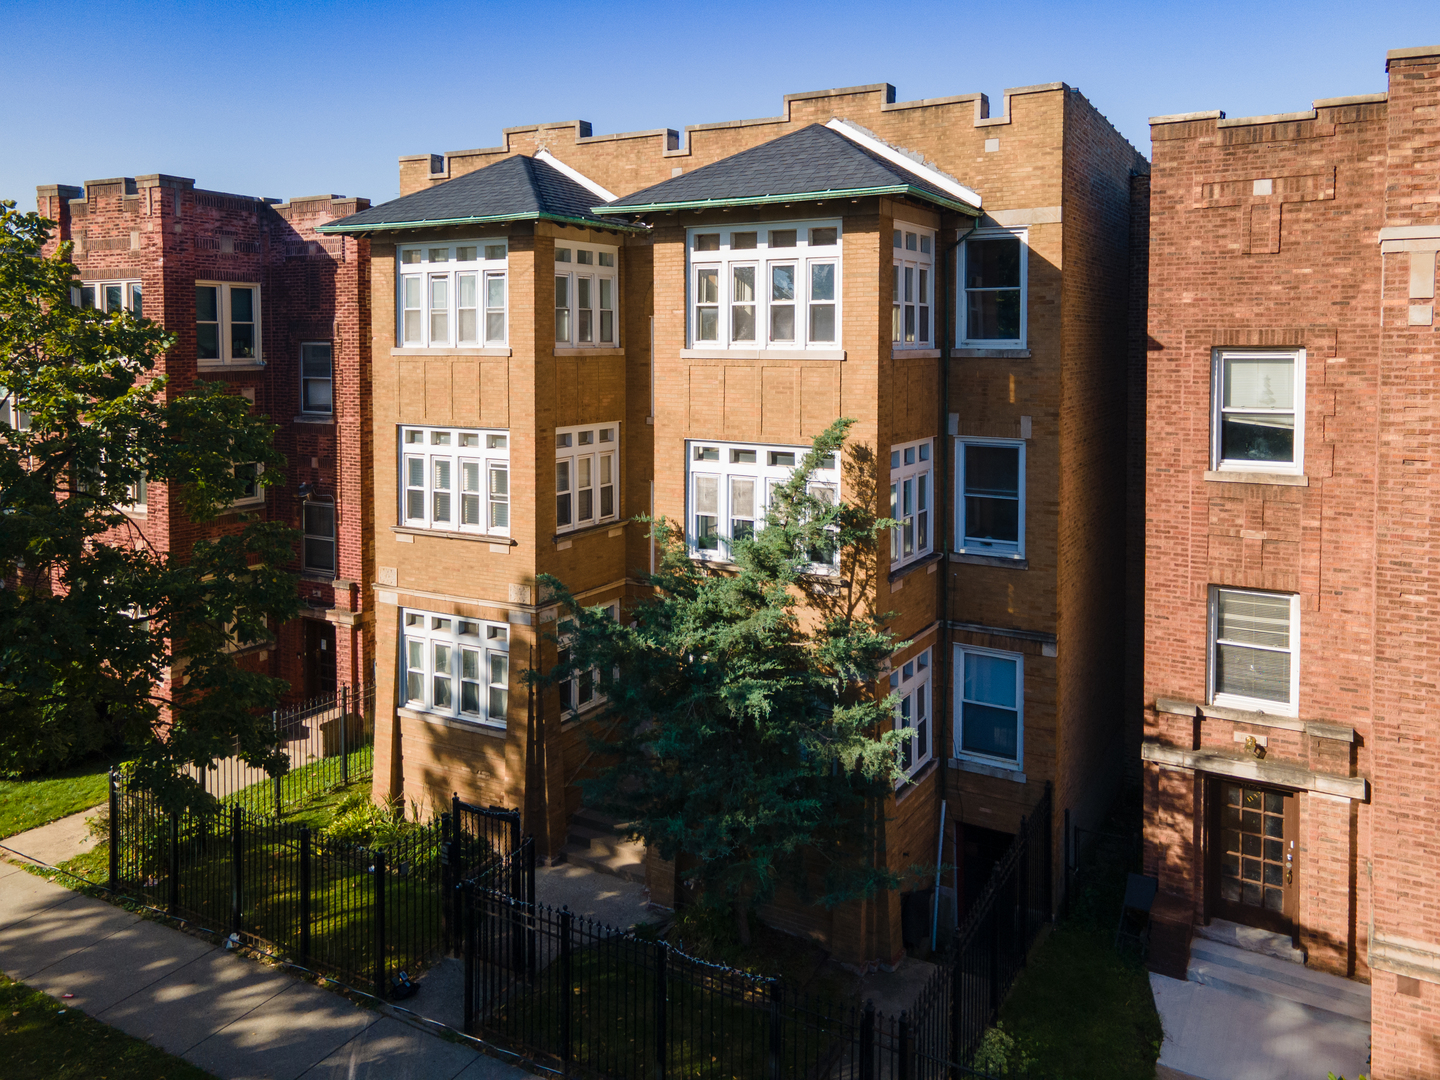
(830, 161)
(514, 189)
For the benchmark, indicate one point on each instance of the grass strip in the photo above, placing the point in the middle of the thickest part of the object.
(30, 803)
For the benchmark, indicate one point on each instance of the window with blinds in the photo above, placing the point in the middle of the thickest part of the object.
(1253, 650)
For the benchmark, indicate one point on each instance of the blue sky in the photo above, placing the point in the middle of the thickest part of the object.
(285, 99)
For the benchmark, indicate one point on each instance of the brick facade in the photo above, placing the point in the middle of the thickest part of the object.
(1311, 231)
(167, 234)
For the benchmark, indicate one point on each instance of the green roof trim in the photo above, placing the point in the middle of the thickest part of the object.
(484, 219)
(909, 190)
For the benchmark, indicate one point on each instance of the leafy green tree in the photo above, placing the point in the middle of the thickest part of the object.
(748, 736)
(93, 619)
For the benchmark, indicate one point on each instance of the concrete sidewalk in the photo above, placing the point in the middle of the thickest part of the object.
(239, 1019)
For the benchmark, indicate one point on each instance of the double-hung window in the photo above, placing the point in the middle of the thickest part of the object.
(109, 296)
(992, 280)
(765, 286)
(587, 470)
(911, 481)
(912, 300)
(455, 480)
(585, 291)
(991, 508)
(580, 689)
(1258, 412)
(253, 493)
(318, 522)
(989, 706)
(1254, 646)
(732, 486)
(455, 666)
(911, 681)
(452, 295)
(227, 323)
(137, 496)
(317, 378)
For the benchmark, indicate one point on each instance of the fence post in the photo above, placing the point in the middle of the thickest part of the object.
(172, 901)
(867, 1042)
(305, 895)
(567, 985)
(380, 924)
(468, 919)
(344, 723)
(114, 830)
(275, 726)
(1024, 893)
(662, 1048)
(902, 1070)
(777, 992)
(237, 849)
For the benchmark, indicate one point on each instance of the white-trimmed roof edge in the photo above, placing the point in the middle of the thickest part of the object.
(858, 135)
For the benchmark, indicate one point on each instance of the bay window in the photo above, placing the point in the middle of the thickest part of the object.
(587, 472)
(445, 289)
(227, 323)
(911, 296)
(911, 681)
(765, 287)
(989, 706)
(992, 275)
(580, 690)
(456, 667)
(455, 480)
(109, 296)
(585, 291)
(911, 487)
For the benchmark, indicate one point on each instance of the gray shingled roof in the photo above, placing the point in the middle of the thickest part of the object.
(814, 162)
(514, 189)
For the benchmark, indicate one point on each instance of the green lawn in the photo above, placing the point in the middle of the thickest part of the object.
(1081, 1010)
(28, 804)
(306, 791)
(42, 1039)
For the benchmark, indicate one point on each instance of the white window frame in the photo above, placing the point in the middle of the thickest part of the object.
(485, 262)
(578, 275)
(588, 447)
(1018, 764)
(131, 295)
(1217, 410)
(306, 536)
(915, 707)
(570, 687)
(472, 460)
(997, 548)
(912, 478)
(306, 380)
(225, 330)
(488, 641)
(802, 255)
(914, 269)
(257, 498)
(138, 495)
(724, 468)
(964, 337)
(1239, 701)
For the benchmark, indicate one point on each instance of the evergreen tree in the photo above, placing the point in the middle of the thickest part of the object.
(748, 735)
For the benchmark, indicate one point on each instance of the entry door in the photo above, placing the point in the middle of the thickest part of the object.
(1255, 871)
(319, 658)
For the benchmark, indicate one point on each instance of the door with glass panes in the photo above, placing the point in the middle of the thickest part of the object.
(1254, 866)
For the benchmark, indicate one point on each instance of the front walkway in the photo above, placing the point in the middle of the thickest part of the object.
(237, 1018)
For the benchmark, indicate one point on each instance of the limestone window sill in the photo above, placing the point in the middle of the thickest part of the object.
(446, 351)
(311, 419)
(613, 527)
(914, 354)
(910, 568)
(606, 350)
(478, 727)
(1239, 476)
(997, 354)
(980, 768)
(762, 354)
(1008, 562)
(484, 538)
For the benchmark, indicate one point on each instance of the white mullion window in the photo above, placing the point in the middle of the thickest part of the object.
(227, 323)
(585, 295)
(109, 296)
(731, 489)
(911, 501)
(581, 690)
(990, 508)
(993, 271)
(456, 667)
(1254, 649)
(586, 473)
(455, 480)
(1258, 412)
(765, 285)
(912, 301)
(990, 706)
(451, 294)
(913, 714)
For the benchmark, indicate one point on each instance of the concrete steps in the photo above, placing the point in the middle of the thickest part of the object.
(1251, 939)
(595, 841)
(1266, 978)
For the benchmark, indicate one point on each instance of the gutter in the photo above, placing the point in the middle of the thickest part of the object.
(483, 219)
(908, 190)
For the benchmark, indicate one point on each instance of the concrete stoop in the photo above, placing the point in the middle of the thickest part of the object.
(1262, 977)
(1251, 939)
(596, 842)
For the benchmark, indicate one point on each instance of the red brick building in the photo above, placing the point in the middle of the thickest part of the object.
(260, 301)
(1291, 744)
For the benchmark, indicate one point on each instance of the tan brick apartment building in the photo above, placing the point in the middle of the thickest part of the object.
(259, 301)
(567, 312)
(1290, 656)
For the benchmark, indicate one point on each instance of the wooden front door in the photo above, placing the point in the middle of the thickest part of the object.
(1254, 871)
